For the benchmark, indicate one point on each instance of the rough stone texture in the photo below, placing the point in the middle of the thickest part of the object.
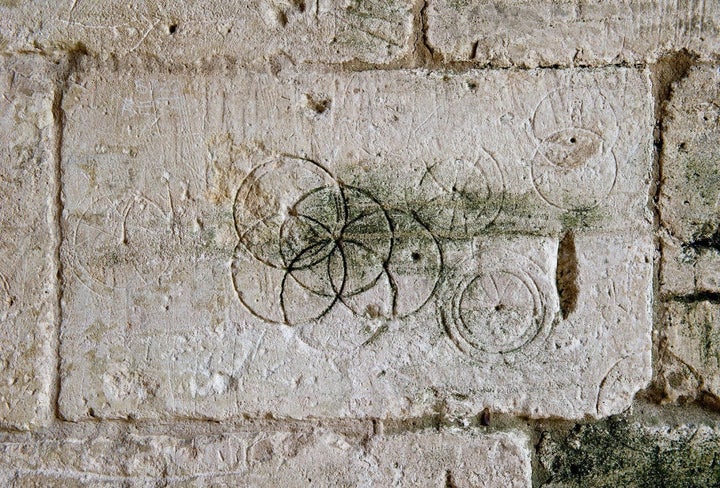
(269, 242)
(366, 244)
(266, 31)
(293, 459)
(27, 249)
(535, 33)
(617, 452)
(690, 216)
(690, 190)
(691, 332)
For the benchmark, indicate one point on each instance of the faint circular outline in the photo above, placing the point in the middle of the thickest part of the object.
(493, 174)
(607, 156)
(580, 205)
(80, 269)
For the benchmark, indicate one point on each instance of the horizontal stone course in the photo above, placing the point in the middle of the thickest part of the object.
(352, 245)
(530, 33)
(283, 458)
(269, 32)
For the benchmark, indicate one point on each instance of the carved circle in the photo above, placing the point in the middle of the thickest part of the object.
(322, 242)
(498, 309)
(265, 199)
(123, 243)
(460, 197)
(574, 167)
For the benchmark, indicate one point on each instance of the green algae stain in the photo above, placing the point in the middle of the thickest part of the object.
(616, 453)
(459, 5)
(582, 218)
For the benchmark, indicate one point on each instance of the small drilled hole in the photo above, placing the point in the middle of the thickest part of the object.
(573, 140)
(172, 28)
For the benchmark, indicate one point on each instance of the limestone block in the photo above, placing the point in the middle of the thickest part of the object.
(690, 190)
(352, 245)
(292, 459)
(27, 243)
(532, 33)
(622, 452)
(691, 333)
(278, 31)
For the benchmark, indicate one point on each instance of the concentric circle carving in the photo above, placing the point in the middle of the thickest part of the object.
(497, 309)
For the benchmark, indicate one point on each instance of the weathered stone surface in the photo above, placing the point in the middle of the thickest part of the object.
(292, 459)
(618, 452)
(366, 244)
(691, 333)
(533, 33)
(376, 31)
(27, 264)
(690, 190)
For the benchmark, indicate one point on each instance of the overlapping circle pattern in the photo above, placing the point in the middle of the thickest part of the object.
(309, 243)
(574, 167)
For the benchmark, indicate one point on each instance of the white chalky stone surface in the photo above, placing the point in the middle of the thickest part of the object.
(317, 458)
(690, 190)
(533, 33)
(278, 31)
(27, 263)
(351, 245)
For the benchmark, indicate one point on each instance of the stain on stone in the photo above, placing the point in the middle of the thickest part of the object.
(281, 18)
(701, 169)
(701, 296)
(485, 417)
(581, 218)
(298, 5)
(318, 105)
(616, 453)
(707, 239)
(567, 274)
(473, 51)
(449, 482)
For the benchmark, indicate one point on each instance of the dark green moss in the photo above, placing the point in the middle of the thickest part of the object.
(616, 453)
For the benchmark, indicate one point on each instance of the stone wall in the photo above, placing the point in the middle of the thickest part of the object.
(360, 243)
